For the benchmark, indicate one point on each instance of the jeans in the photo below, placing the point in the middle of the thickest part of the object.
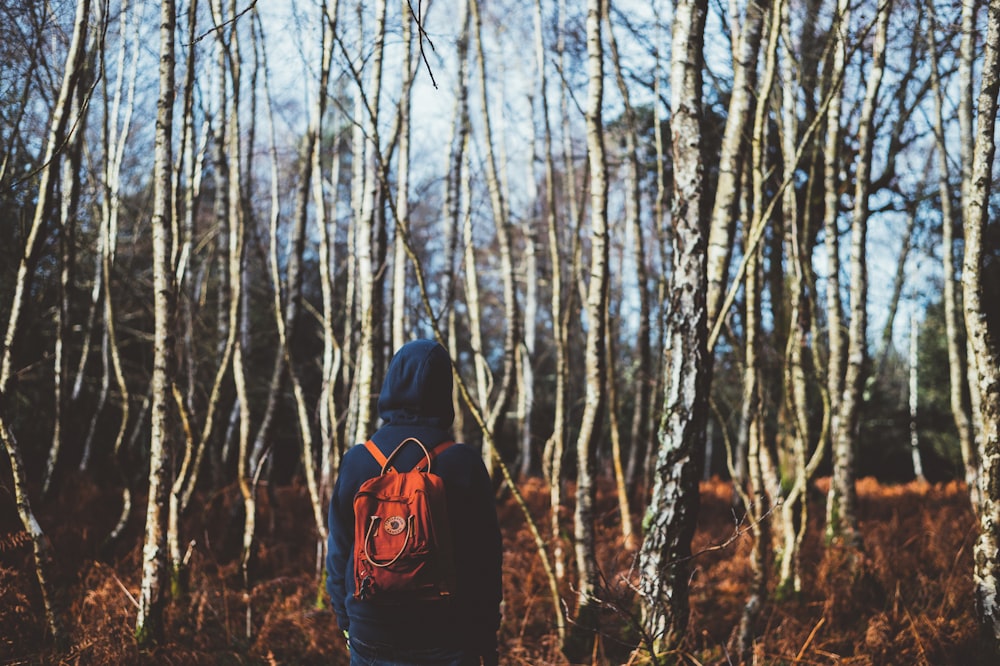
(365, 654)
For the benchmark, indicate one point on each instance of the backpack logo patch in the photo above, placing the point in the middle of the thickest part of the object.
(394, 525)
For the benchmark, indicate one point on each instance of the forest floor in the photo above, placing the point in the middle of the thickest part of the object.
(910, 603)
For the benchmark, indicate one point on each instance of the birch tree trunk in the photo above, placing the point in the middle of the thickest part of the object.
(984, 341)
(580, 640)
(555, 445)
(115, 136)
(399, 323)
(152, 598)
(842, 521)
(452, 205)
(367, 241)
(643, 351)
(968, 46)
(732, 154)
(918, 466)
(758, 497)
(954, 327)
(332, 357)
(755, 499)
(68, 211)
(831, 226)
(501, 215)
(670, 518)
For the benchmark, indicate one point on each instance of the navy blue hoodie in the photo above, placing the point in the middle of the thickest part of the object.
(416, 401)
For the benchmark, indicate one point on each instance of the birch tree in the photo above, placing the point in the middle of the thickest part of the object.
(501, 215)
(732, 156)
(983, 340)
(954, 326)
(842, 500)
(595, 359)
(831, 227)
(670, 519)
(554, 446)
(152, 598)
(367, 236)
(758, 498)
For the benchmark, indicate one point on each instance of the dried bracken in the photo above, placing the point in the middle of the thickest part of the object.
(909, 601)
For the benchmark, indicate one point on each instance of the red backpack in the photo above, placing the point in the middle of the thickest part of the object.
(402, 538)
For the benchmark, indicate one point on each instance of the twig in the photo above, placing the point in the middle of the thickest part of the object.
(809, 639)
(421, 36)
(125, 590)
(222, 25)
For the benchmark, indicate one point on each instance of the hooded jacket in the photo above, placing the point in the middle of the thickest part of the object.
(416, 401)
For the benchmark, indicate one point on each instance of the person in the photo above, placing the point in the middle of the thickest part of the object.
(416, 401)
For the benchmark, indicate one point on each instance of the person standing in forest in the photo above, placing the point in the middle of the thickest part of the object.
(460, 628)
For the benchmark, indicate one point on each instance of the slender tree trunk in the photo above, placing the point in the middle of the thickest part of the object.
(643, 358)
(842, 521)
(579, 641)
(898, 282)
(732, 155)
(452, 198)
(759, 495)
(629, 538)
(984, 341)
(332, 357)
(796, 395)
(831, 227)
(756, 498)
(954, 327)
(968, 47)
(110, 214)
(152, 598)
(68, 209)
(670, 519)
(555, 445)
(367, 239)
(664, 240)
(399, 323)
(501, 215)
(918, 466)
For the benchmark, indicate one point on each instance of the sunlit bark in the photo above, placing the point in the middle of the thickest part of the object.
(984, 341)
(732, 155)
(831, 226)
(842, 520)
(578, 642)
(670, 519)
(366, 240)
(332, 358)
(954, 326)
(555, 444)
(152, 598)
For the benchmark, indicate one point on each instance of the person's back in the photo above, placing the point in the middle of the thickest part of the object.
(416, 401)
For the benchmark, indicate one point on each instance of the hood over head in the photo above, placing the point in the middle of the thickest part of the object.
(418, 386)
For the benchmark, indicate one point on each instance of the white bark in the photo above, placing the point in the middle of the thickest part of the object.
(670, 519)
(918, 466)
(983, 340)
(954, 327)
(842, 499)
(149, 623)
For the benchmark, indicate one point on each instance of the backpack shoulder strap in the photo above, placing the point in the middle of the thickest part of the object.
(435, 452)
(382, 460)
(376, 453)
